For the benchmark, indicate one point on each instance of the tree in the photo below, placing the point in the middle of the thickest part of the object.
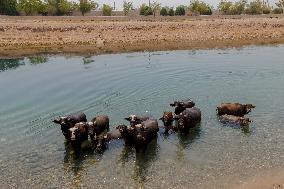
(254, 7)
(106, 10)
(199, 7)
(86, 6)
(155, 6)
(127, 7)
(280, 4)
(65, 7)
(8, 7)
(164, 11)
(146, 10)
(171, 12)
(180, 10)
(238, 7)
(225, 6)
(31, 7)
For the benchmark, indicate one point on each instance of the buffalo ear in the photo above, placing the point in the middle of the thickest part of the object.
(127, 118)
(172, 104)
(56, 121)
(161, 118)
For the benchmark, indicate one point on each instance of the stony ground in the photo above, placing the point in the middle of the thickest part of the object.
(21, 36)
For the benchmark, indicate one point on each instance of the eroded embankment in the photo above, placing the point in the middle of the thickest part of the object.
(22, 36)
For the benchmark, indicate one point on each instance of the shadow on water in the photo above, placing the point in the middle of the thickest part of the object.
(76, 164)
(8, 64)
(143, 161)
(185, 140)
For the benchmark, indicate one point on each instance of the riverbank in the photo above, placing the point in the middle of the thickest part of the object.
(25, 36)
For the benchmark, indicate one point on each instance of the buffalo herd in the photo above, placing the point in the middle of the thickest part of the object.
(143, 129)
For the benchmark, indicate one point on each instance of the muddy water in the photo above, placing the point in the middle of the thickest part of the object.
(36, 90)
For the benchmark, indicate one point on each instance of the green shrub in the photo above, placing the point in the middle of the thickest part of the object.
(145, 10)
(266, 9)
(180, 10)
(171, 12)
(107, 10)
(164, 11)
(277, 10)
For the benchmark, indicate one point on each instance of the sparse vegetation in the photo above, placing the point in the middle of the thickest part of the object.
(277, 10)
(127, 7)
(155, 6)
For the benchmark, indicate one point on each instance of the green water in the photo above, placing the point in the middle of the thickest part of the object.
(36, 90)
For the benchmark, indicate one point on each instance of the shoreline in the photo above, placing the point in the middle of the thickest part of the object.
(27, 36)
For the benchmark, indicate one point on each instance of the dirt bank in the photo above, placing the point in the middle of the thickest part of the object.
(23, 36)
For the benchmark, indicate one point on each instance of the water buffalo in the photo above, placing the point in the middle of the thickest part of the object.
(126, 133)
(78, 134)
(235, 109)
(134, 119)
(242, 121)
(97, 125)
(144, 133)
(180, 106)
(188, 119)
(69, 121)
(103, 138)
(168, 118)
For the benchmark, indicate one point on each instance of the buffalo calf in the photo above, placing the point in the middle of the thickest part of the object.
(242, 121)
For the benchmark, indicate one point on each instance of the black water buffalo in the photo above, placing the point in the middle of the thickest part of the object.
(231, 119)
(235, 109)
(69, 121)
(98, 125)
(144, 133)
(168, 118)
(134, 119)
(78, 134)
(188, 119)
(180, 106)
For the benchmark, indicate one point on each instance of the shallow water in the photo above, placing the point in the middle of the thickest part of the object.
(36, 90)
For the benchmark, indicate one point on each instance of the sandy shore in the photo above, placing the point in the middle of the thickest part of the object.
(269, 179)
(23, 36)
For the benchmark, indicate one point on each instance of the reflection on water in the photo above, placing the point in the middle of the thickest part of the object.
(37, 60)
(184, 140)
(213, 155)
(6, 64)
